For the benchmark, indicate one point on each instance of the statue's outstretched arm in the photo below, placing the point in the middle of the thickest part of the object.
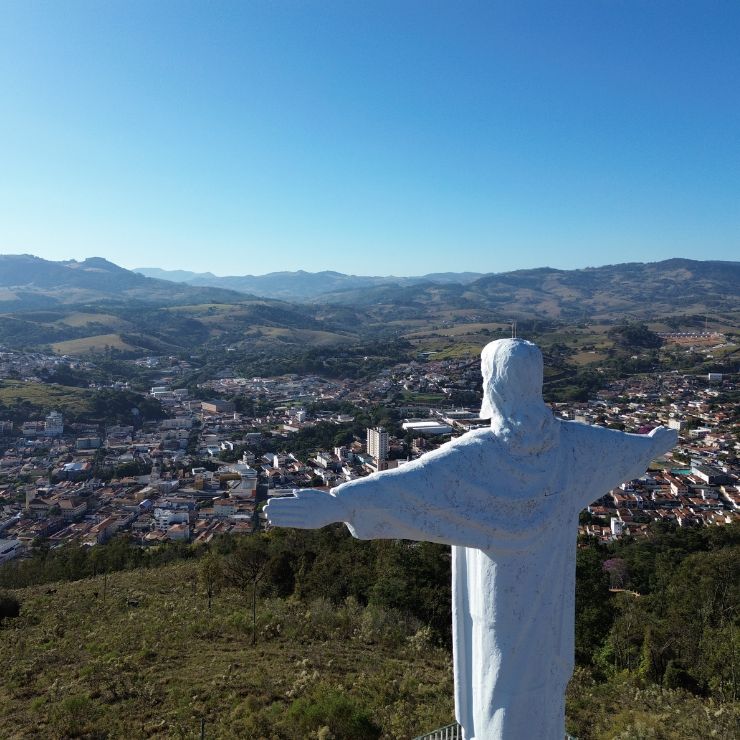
(606, 457)
(410, 502)
(306, 509)
(663, 439)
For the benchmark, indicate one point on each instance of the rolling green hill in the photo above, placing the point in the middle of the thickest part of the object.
(29, 282)
(43, 397)
(134, 328)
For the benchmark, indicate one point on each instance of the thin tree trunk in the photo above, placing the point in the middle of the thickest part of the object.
(254, 613)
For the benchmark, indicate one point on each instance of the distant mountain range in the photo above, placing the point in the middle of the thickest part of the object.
(31, 282)
(642, 290)
(78, 307)
(637, 288)
(90, 306)
(300, 285)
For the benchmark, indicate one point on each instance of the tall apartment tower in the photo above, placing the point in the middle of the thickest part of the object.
(54, 424)
(377, 443)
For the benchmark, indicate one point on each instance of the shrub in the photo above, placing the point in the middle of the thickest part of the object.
(389, 627)
(328, 708)
(75, 716)
(10, 607)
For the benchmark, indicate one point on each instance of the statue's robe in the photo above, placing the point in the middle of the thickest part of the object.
(512, 520)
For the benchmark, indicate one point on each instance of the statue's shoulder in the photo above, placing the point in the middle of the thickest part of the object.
(481, 436)
(571, 427)
(578, 434)
(575, 432)
(466, 443)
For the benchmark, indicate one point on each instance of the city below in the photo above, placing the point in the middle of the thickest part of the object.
(208, 464)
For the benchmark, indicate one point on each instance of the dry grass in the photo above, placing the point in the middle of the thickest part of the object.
(84, 319)
(96, 343)
(43, 396)
(587, 358)
(309, 337)
(76, 666)
(472, 329)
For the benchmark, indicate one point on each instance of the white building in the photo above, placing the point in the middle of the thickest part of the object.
(165, 518)
(426, 427)
(377, 443)
(179, 532)
(246, 487)
(179, 422)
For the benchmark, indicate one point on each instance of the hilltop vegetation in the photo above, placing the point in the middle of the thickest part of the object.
(20, 401)
(140, 654)
(152, 661)
(350, 636)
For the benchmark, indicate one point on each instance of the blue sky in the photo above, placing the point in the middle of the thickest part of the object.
(369, 137)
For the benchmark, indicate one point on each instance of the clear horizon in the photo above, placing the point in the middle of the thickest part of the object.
(401, 138)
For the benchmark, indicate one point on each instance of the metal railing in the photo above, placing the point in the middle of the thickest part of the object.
(450, 732)
(454, 732)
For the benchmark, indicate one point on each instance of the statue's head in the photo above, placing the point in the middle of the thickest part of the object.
(512, 375)
(512, 396)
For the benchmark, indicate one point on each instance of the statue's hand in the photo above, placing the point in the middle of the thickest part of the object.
(664, 439)
(307, 509)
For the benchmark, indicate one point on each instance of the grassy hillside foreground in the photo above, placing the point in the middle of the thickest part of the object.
(75, 666)
(152, 661)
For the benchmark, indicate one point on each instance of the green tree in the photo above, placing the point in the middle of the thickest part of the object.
(593, 608)
(245, 567)
(635, 335)
(211, 573)
(703, 600)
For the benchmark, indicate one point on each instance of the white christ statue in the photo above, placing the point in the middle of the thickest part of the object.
(507, 498)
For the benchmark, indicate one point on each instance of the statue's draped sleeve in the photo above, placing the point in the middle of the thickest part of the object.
(603, 458)
(408, 502)
(471, 492)
(456, 495)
